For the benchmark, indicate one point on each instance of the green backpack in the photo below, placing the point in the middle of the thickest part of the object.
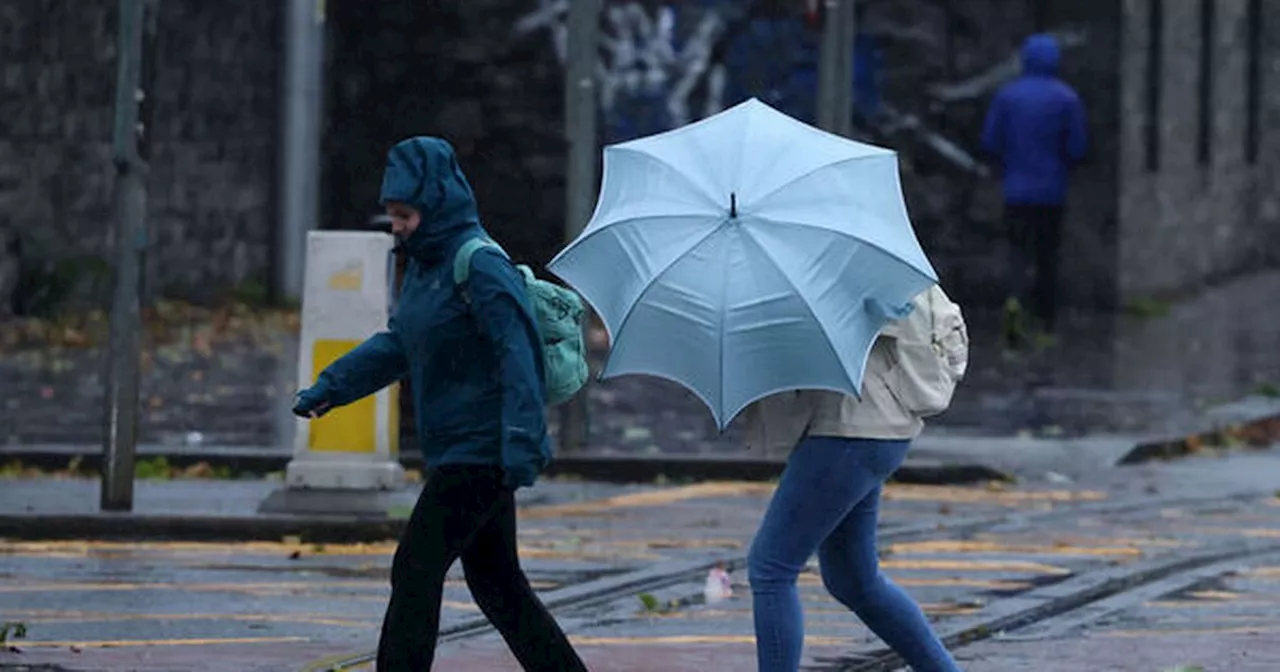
(560, 316)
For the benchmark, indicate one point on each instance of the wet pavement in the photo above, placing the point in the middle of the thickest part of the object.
(284, 605)
(952, 579)
(1222, 622)
(111, 598)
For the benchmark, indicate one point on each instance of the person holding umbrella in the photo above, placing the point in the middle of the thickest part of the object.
(842, 450)
(478, 381)
(748, 255)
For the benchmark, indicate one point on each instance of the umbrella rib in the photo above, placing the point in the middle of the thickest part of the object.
(627, 220)
(803, 300)
(724, 318)
(761, 198)
(846, 234)
(631, 310)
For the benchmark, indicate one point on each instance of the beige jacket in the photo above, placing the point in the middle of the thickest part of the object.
(775, 425)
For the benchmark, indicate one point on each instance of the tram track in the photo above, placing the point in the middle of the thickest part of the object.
(1076, 601)
(1006, 614)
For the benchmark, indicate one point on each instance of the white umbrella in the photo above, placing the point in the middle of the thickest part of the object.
(746, 254)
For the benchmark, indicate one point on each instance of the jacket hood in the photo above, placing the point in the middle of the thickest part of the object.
(1041, 56)
(423, 172)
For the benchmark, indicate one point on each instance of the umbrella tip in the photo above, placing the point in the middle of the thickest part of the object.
(733, 205)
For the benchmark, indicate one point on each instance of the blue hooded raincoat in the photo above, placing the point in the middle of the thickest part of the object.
(475, 368)
(1036, 128)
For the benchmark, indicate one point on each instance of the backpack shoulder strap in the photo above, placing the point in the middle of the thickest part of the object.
(462, 259)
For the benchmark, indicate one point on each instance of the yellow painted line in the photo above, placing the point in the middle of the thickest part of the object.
(1214, 595)
(727, 489)
(1236, 630)
(651, 498)
(988, 495)
(116, 643)
(694, 639)
(584, 554)
(316, 619)
(132, 549)
(976, 566)
(1211, 604)
(1057, 540)
(296, 587)
(963, 583)
(328, 662)
(808, 579)
(945, 546)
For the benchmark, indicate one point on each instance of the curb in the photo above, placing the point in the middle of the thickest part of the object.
(607, 469)
(141, 527)
(1252, 422)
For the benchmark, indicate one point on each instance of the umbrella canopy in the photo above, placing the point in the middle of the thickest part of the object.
(746, 254)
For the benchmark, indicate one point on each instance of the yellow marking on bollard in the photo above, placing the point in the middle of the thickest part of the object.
(393, 421)
(349, 279)
(352, 428)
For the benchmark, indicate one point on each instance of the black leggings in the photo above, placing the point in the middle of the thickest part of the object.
(1035, 234)
(466, 512)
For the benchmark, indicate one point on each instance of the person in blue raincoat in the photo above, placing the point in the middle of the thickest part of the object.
(477, 378)
(1036, 130)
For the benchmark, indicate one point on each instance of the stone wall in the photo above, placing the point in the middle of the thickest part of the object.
(487, 75)
(455, 70)
(1267, 184)
(214, 152)
(1188, 220)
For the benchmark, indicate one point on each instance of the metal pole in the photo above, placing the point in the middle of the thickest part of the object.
(130, 156)
(580, 129)
(301, 117)
(835, 68)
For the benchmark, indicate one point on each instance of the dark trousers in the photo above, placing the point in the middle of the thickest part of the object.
(466, 512)
(1035, 235)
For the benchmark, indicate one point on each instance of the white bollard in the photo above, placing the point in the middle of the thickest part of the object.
(353, 449)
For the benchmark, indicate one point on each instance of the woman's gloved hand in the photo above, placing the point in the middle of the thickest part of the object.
(310, 404)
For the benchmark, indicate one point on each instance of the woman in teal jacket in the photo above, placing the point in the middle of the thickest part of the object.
(474, 359)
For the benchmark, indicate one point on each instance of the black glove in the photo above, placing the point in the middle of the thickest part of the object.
(309, 404)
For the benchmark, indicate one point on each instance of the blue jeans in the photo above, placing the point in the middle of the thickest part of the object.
(828, 502)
